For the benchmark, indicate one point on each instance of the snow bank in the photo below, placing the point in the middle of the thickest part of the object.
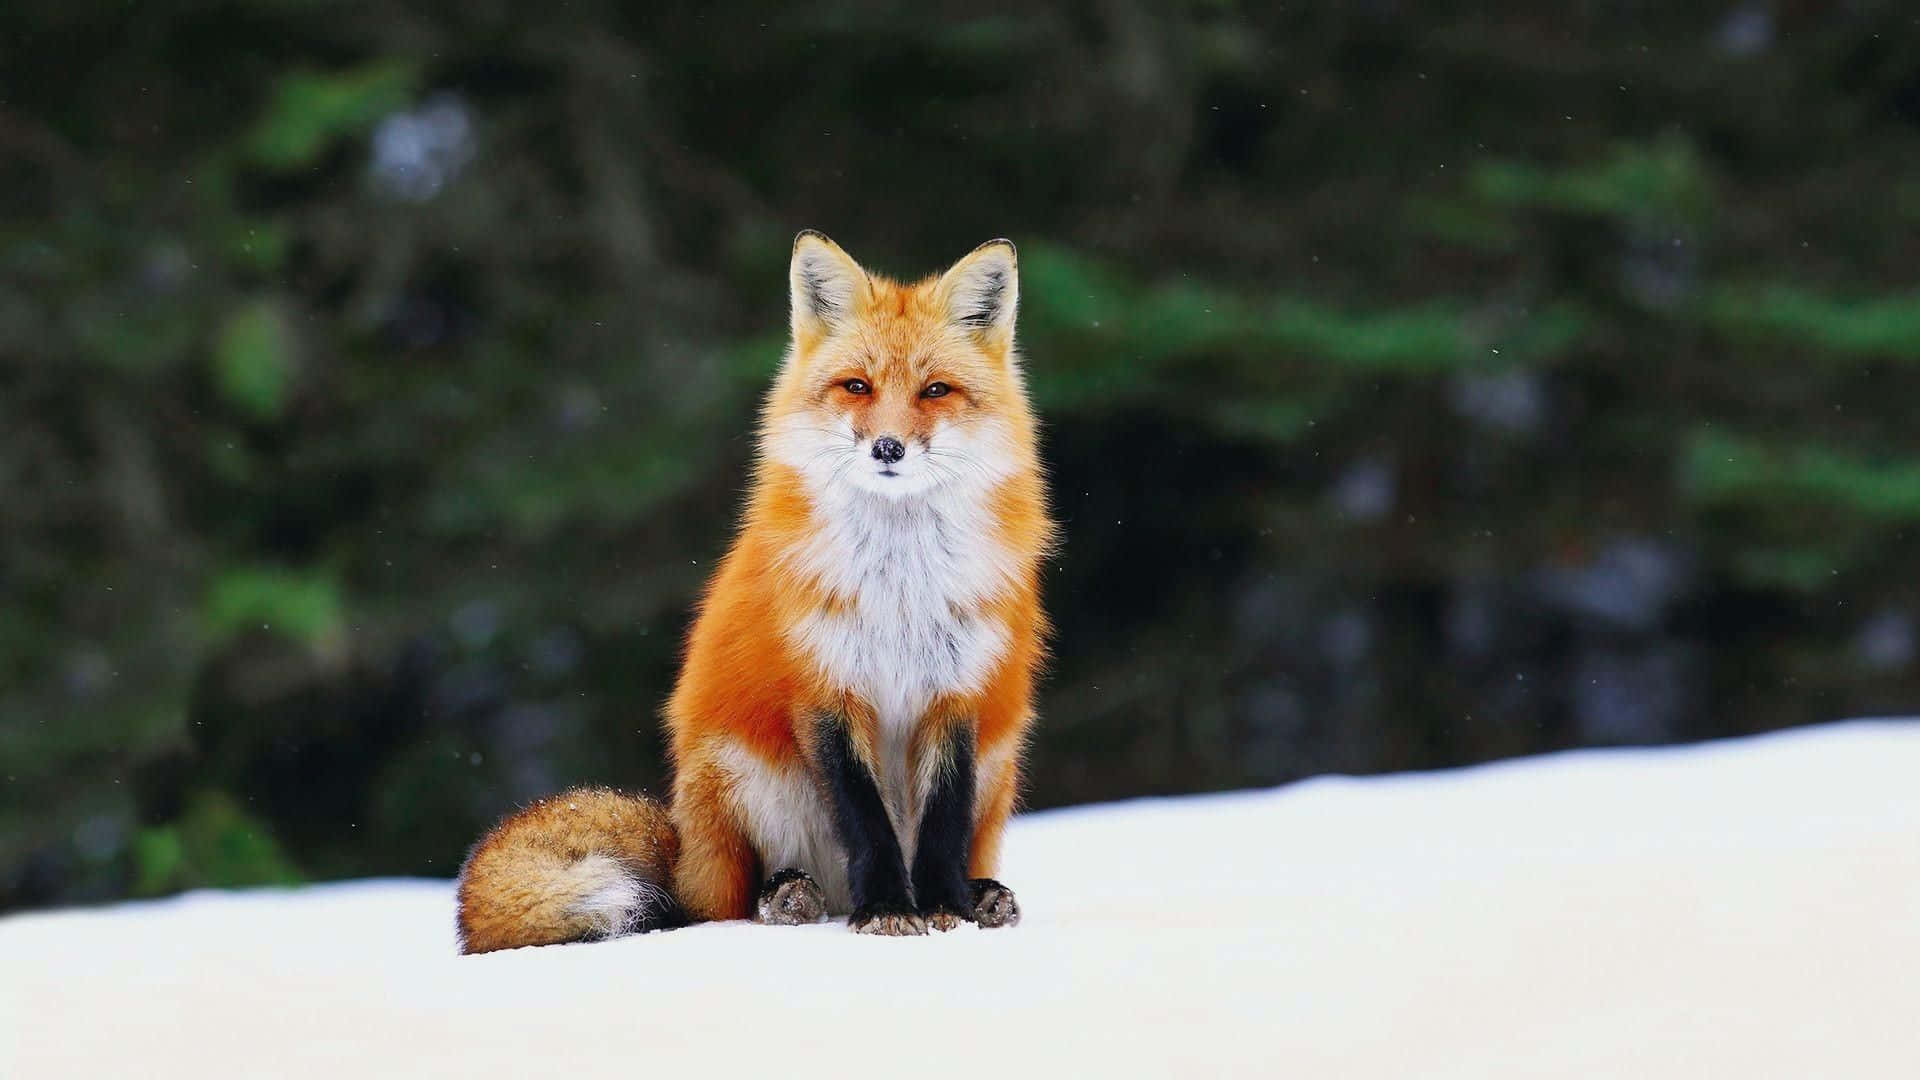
(1748, 908)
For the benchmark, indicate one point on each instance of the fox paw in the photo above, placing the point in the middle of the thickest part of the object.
(993, 903)
(887, 922)
(790, 898)
(943, 920)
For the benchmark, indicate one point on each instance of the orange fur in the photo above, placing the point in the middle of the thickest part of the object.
(747, 686)
(523, 882)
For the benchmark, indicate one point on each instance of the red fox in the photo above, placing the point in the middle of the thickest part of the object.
(857, 689)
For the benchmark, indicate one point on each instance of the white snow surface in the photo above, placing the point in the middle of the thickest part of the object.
(1747, 908)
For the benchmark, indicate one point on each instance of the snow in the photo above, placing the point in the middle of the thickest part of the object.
(1747, 908)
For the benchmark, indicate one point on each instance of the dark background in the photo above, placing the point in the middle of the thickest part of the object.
(1424, 384)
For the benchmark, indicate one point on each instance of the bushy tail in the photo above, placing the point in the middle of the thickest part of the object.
(585, 864)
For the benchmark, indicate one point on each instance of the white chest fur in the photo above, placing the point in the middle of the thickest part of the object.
(912, 574)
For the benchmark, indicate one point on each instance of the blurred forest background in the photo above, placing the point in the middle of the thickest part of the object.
(1425, 384)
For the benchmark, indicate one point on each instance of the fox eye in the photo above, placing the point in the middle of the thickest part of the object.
(935, 389)
(857, 386)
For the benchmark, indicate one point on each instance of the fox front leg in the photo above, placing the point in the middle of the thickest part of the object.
(876, 869)
(940, 887)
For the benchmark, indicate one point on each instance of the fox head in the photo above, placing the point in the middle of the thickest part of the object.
(900, 390)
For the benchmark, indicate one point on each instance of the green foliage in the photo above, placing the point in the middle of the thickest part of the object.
(1168, 322)
(253, 361)
(1466, 222)
(310, 111)
(1725, 469)
(303, 605)
(1074, 303)
(258, 246)
(1270, 419)
(615, 479)
(214, 844)
(1799, 318)
(1800, 569)
(1661, 180)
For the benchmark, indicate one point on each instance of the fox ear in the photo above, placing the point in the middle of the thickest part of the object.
(982, 291)
(825, 285)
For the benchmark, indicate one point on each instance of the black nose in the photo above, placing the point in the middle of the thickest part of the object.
(887, 450)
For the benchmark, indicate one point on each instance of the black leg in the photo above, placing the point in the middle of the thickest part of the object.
(876, 871)
(946, 833)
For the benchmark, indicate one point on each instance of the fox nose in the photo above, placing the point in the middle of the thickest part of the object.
(887, 450)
